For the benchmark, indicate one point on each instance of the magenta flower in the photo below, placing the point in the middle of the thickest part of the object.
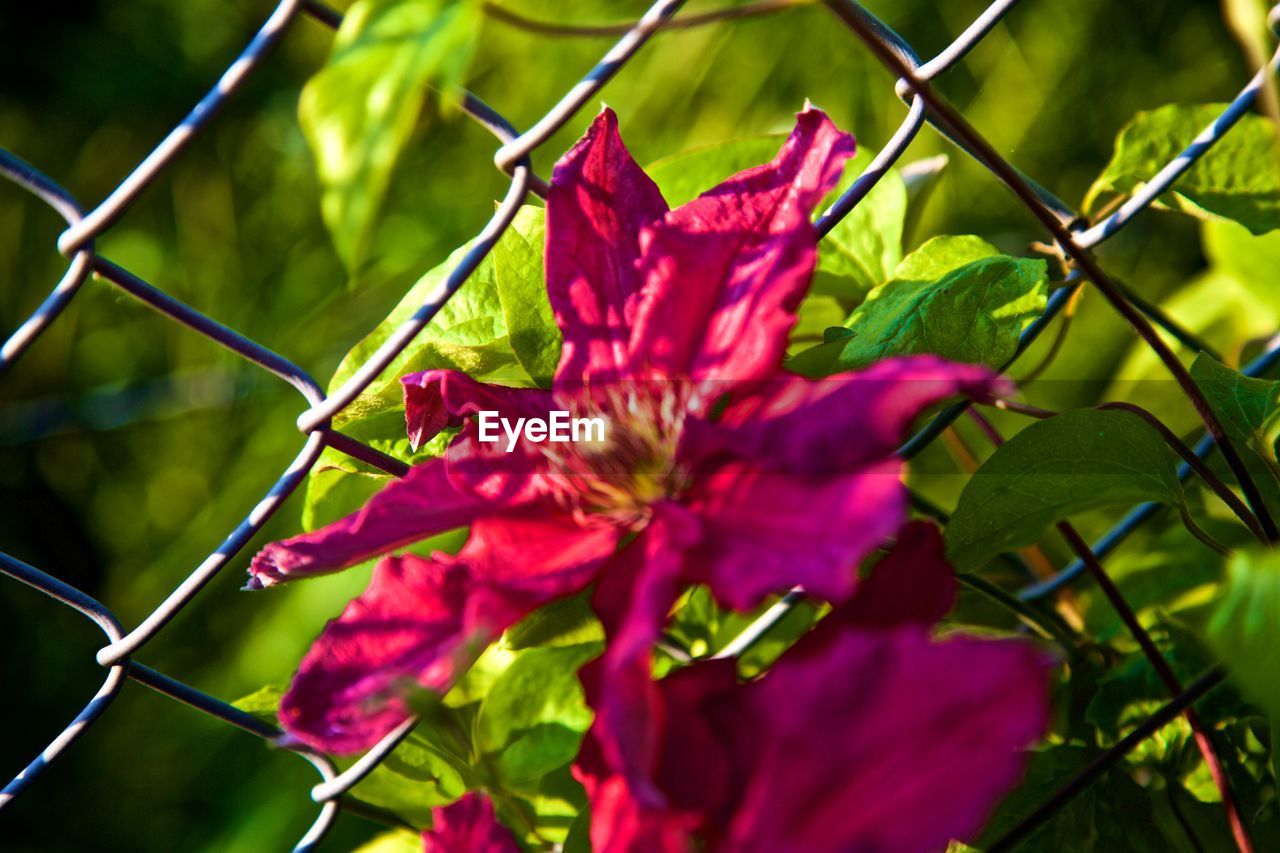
(866, 735)
(716, 467)
(467, 825)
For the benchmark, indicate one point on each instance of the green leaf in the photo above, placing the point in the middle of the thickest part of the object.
(1238, 179)
(428, 769)
(1245, 627)
(1246, 406)
(1112, 814)
(262, 703)
(859, 253)
(522, 291)
(471, 333)
(534, 717)
(1053, 469)
(954, 296)
(565, 621)
(579, 838)
(1251, 259)
(395, 841)
(359, 111)
(418, 775)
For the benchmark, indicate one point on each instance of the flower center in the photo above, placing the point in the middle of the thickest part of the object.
(634, 466)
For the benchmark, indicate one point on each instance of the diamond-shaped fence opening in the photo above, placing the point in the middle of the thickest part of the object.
(1074, 238)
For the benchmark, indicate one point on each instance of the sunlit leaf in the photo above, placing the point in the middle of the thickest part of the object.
(358, 112)
(534, 717)
(954, 296)
(522, 292)
(1246, 406)
(1238, 179)
(497, 327)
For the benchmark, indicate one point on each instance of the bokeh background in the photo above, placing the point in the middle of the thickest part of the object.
(129, 446)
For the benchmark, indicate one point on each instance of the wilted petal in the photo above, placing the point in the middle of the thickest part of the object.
(416, 627)
(468, 826)
(421, 504)
(766, 531)
(725, 273)
(599, 201)
(435, 399)
(887, 741)
(845, 421)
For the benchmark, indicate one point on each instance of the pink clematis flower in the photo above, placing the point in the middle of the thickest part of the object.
(468, 825)
(866, 735)
(716, 466)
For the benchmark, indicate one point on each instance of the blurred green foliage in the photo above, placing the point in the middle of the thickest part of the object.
(129, 445)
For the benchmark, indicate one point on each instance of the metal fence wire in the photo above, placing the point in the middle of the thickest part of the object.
(1073, 236)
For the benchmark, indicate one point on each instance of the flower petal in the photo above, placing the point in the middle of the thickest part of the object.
(632, 600)
(421, 504)
(724, 274)
(538, 554)
(416, 627)
(435, 399)
(421, 621)
(598, 203)
(845, 421)
(887, 741)
(468, 825)
(766, 531)
(620, 822)
(913, 585)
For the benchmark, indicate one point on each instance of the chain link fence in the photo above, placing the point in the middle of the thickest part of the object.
(1073, 236)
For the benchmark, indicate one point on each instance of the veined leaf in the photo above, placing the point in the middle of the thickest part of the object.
(522, 292)
(1053, 469)
(359, 110)
(954, 296)
(1238, 178)
(1246, 406)
(534, 717)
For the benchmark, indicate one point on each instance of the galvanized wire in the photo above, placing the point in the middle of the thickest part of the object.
(513, 158)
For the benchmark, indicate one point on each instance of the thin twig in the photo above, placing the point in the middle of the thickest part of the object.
(682, 22)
